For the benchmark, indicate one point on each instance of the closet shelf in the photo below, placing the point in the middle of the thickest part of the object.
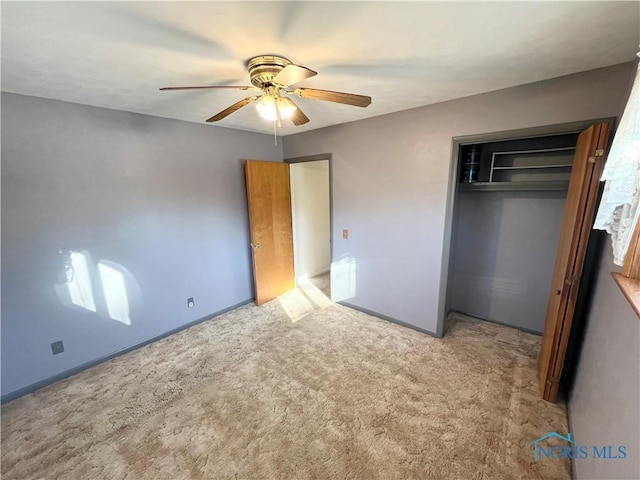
(530, 167)
(533, 186)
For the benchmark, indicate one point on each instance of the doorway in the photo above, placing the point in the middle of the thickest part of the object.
(311, 220)
(269, 200)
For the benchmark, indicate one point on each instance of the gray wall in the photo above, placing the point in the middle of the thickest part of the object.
(604, 408)
(505, 249)
(163, 200)
(392, 183)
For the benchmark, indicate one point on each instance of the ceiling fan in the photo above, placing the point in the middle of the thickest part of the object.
(273, 76)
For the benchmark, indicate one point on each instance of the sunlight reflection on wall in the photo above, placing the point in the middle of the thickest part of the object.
(106, 288)
(115, 292)
(76, 292)
(343, 278)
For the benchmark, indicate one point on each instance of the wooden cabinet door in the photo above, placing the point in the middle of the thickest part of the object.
(576, 224)
(269, 200)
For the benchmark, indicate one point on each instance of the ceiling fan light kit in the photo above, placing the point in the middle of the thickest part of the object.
(273, 75)
(274, 108)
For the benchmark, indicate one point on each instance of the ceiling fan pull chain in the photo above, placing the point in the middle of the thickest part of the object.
(278, 114)
(275, 135)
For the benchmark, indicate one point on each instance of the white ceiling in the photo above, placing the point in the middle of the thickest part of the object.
(404, 55)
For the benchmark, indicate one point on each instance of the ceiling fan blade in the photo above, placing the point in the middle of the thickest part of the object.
(338, 97)
(298, 117)
(229, 110)
(237, 87)
(293, 74)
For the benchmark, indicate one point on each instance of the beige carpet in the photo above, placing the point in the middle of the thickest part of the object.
(299, 388)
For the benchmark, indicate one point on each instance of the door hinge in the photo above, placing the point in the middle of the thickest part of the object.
(598, 153)
(572, 279)
(553, 380)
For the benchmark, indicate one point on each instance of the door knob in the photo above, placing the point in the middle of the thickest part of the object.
(255, 245)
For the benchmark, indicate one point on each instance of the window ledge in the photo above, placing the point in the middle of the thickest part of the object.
(631, 290)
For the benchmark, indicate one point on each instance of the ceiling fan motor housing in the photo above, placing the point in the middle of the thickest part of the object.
(262, 69)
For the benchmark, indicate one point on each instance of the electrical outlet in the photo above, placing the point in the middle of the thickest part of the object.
(345, 234)
(190, 302)
(57, 347)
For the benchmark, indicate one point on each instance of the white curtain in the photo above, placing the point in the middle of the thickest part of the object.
(620, 204)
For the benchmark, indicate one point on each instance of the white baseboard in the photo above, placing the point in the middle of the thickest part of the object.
(307, 276)
(320, 272)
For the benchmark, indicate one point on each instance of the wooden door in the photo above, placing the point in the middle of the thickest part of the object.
(269, 200)
(576, 224)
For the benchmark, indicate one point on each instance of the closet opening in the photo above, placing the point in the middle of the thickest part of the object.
(508, 225)
(509, 207)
